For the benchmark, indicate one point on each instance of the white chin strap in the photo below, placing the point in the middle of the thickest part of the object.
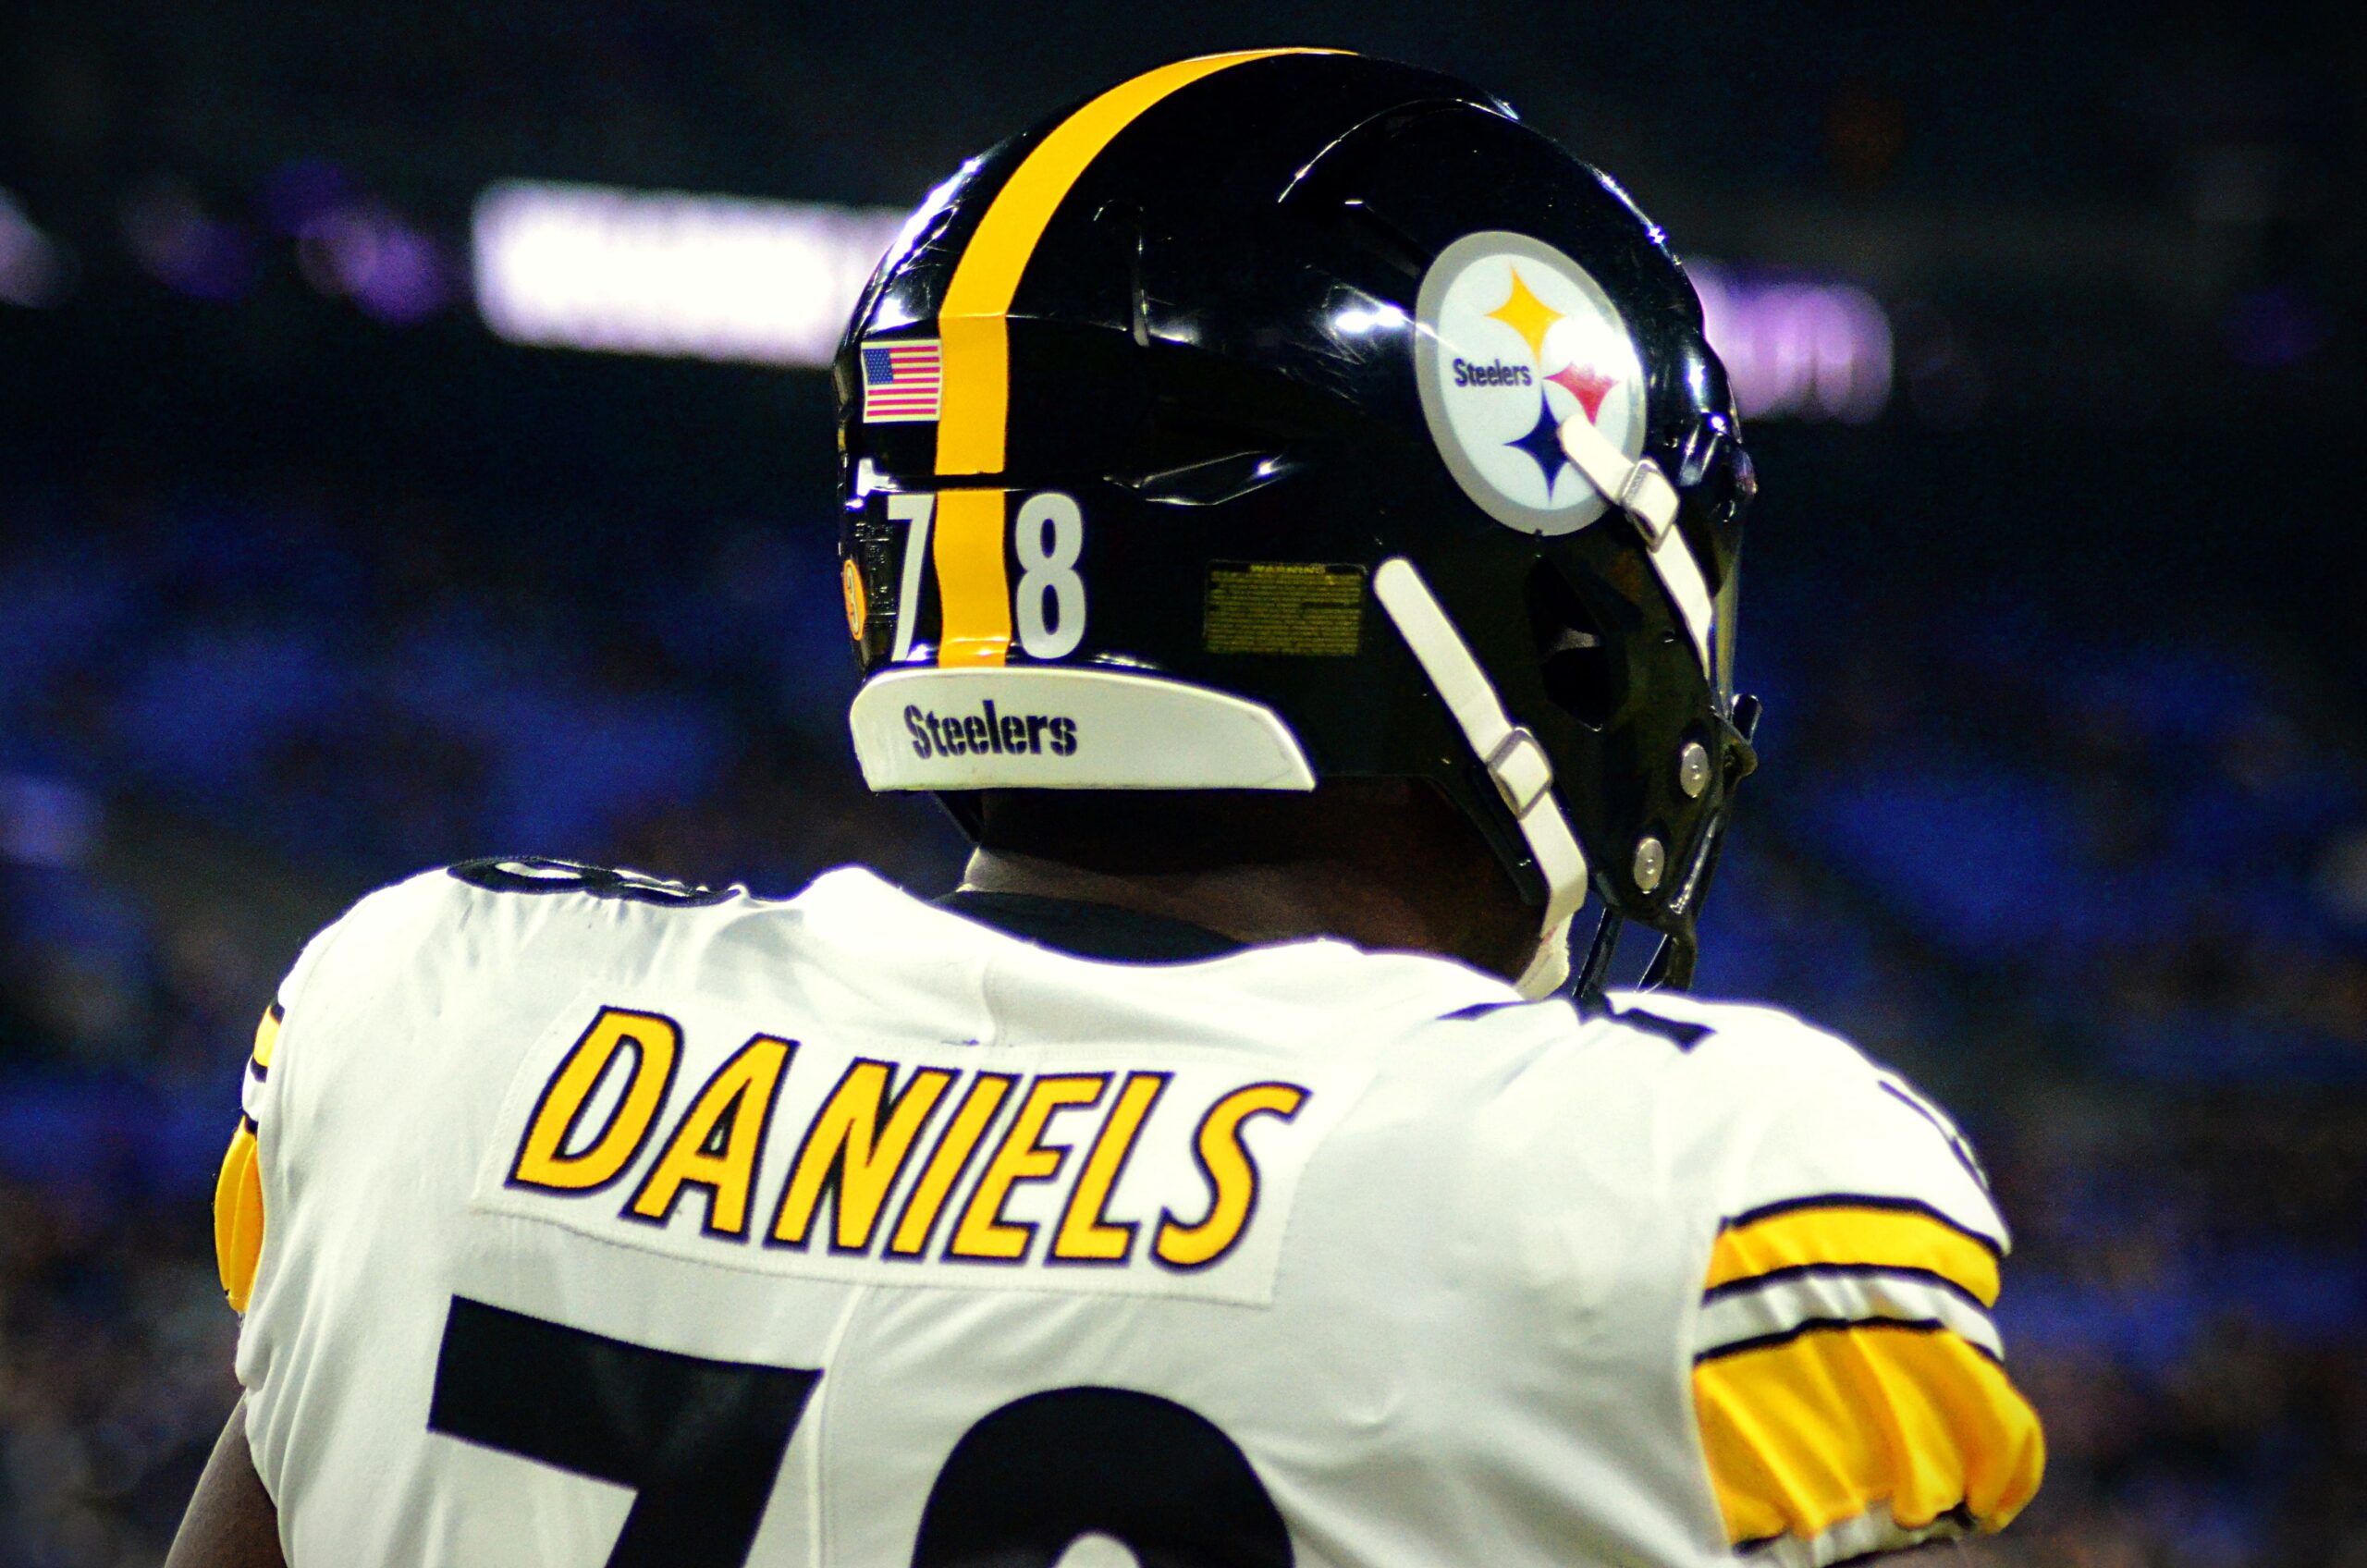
(1515, 758)
(1639, 488)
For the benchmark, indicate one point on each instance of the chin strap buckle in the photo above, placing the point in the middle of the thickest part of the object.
(1522, 771)
(1647, 497)
(1638, 487)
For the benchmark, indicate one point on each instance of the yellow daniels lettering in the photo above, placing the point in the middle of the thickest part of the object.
(984, 1235)
(717, 1143)
(854, 1153)
(927, 1156)
(946, 1163)
(1231, 1175)
(1086, 1234)
(656, 1042)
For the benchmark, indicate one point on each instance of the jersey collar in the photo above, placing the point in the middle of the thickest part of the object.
(1089, 930)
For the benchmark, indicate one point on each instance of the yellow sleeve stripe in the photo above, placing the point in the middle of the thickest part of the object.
(237, 1217)
(1849, 1231)
(1819, 1429)
(972, 323)
(237, 1191)
(267, 1036)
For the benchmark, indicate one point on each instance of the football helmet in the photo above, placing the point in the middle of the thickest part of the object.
(1287, 415)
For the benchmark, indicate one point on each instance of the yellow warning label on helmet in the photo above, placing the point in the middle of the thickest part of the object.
(1303, 608)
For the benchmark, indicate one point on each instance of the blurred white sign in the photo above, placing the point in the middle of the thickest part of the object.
(714, 277)
(722, 277)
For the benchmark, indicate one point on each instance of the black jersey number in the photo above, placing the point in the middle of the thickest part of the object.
(701, 1441)
(698, 1441)
(1041, 1471)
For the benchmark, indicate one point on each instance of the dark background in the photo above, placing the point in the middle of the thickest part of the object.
(303, 587)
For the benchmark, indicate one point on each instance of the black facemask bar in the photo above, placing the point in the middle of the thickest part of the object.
(1680, 950)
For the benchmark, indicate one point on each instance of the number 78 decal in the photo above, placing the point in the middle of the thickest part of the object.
(962, 531)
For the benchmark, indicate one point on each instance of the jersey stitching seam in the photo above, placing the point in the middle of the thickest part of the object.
(817, 1421)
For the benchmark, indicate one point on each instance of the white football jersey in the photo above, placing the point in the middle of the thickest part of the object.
(582, 1220)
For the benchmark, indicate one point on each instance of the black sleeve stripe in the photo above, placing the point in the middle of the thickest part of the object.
(1838, 1325)
(1845, 1271)
(247, 1121)
(1864, 1200)
(279, 1013)
(1948, 1135)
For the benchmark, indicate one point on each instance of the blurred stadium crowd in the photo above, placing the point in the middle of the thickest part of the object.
(2001, 860)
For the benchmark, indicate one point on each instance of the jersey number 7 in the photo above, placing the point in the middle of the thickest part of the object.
(700, 1442)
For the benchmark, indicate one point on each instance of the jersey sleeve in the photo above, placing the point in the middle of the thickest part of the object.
(1849, 1380)
(238, 1191)
(240, 1212)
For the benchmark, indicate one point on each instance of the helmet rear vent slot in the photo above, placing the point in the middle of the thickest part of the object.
(1573, 658)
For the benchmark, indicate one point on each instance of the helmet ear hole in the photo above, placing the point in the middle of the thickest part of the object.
(1573, 658)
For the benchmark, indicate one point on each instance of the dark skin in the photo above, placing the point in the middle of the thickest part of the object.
(1384, 864)
(230, 1522)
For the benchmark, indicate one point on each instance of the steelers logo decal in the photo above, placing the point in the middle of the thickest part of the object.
(858, 601)
(1515, 339)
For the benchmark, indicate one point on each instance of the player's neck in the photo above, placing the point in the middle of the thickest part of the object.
(1249, 903)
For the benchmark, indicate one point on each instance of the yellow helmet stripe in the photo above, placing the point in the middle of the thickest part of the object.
(975, 415)
(973, 589)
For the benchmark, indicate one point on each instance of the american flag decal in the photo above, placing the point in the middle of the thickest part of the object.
(902, 381)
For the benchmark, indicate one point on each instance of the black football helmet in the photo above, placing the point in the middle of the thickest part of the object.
(1288, 415)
